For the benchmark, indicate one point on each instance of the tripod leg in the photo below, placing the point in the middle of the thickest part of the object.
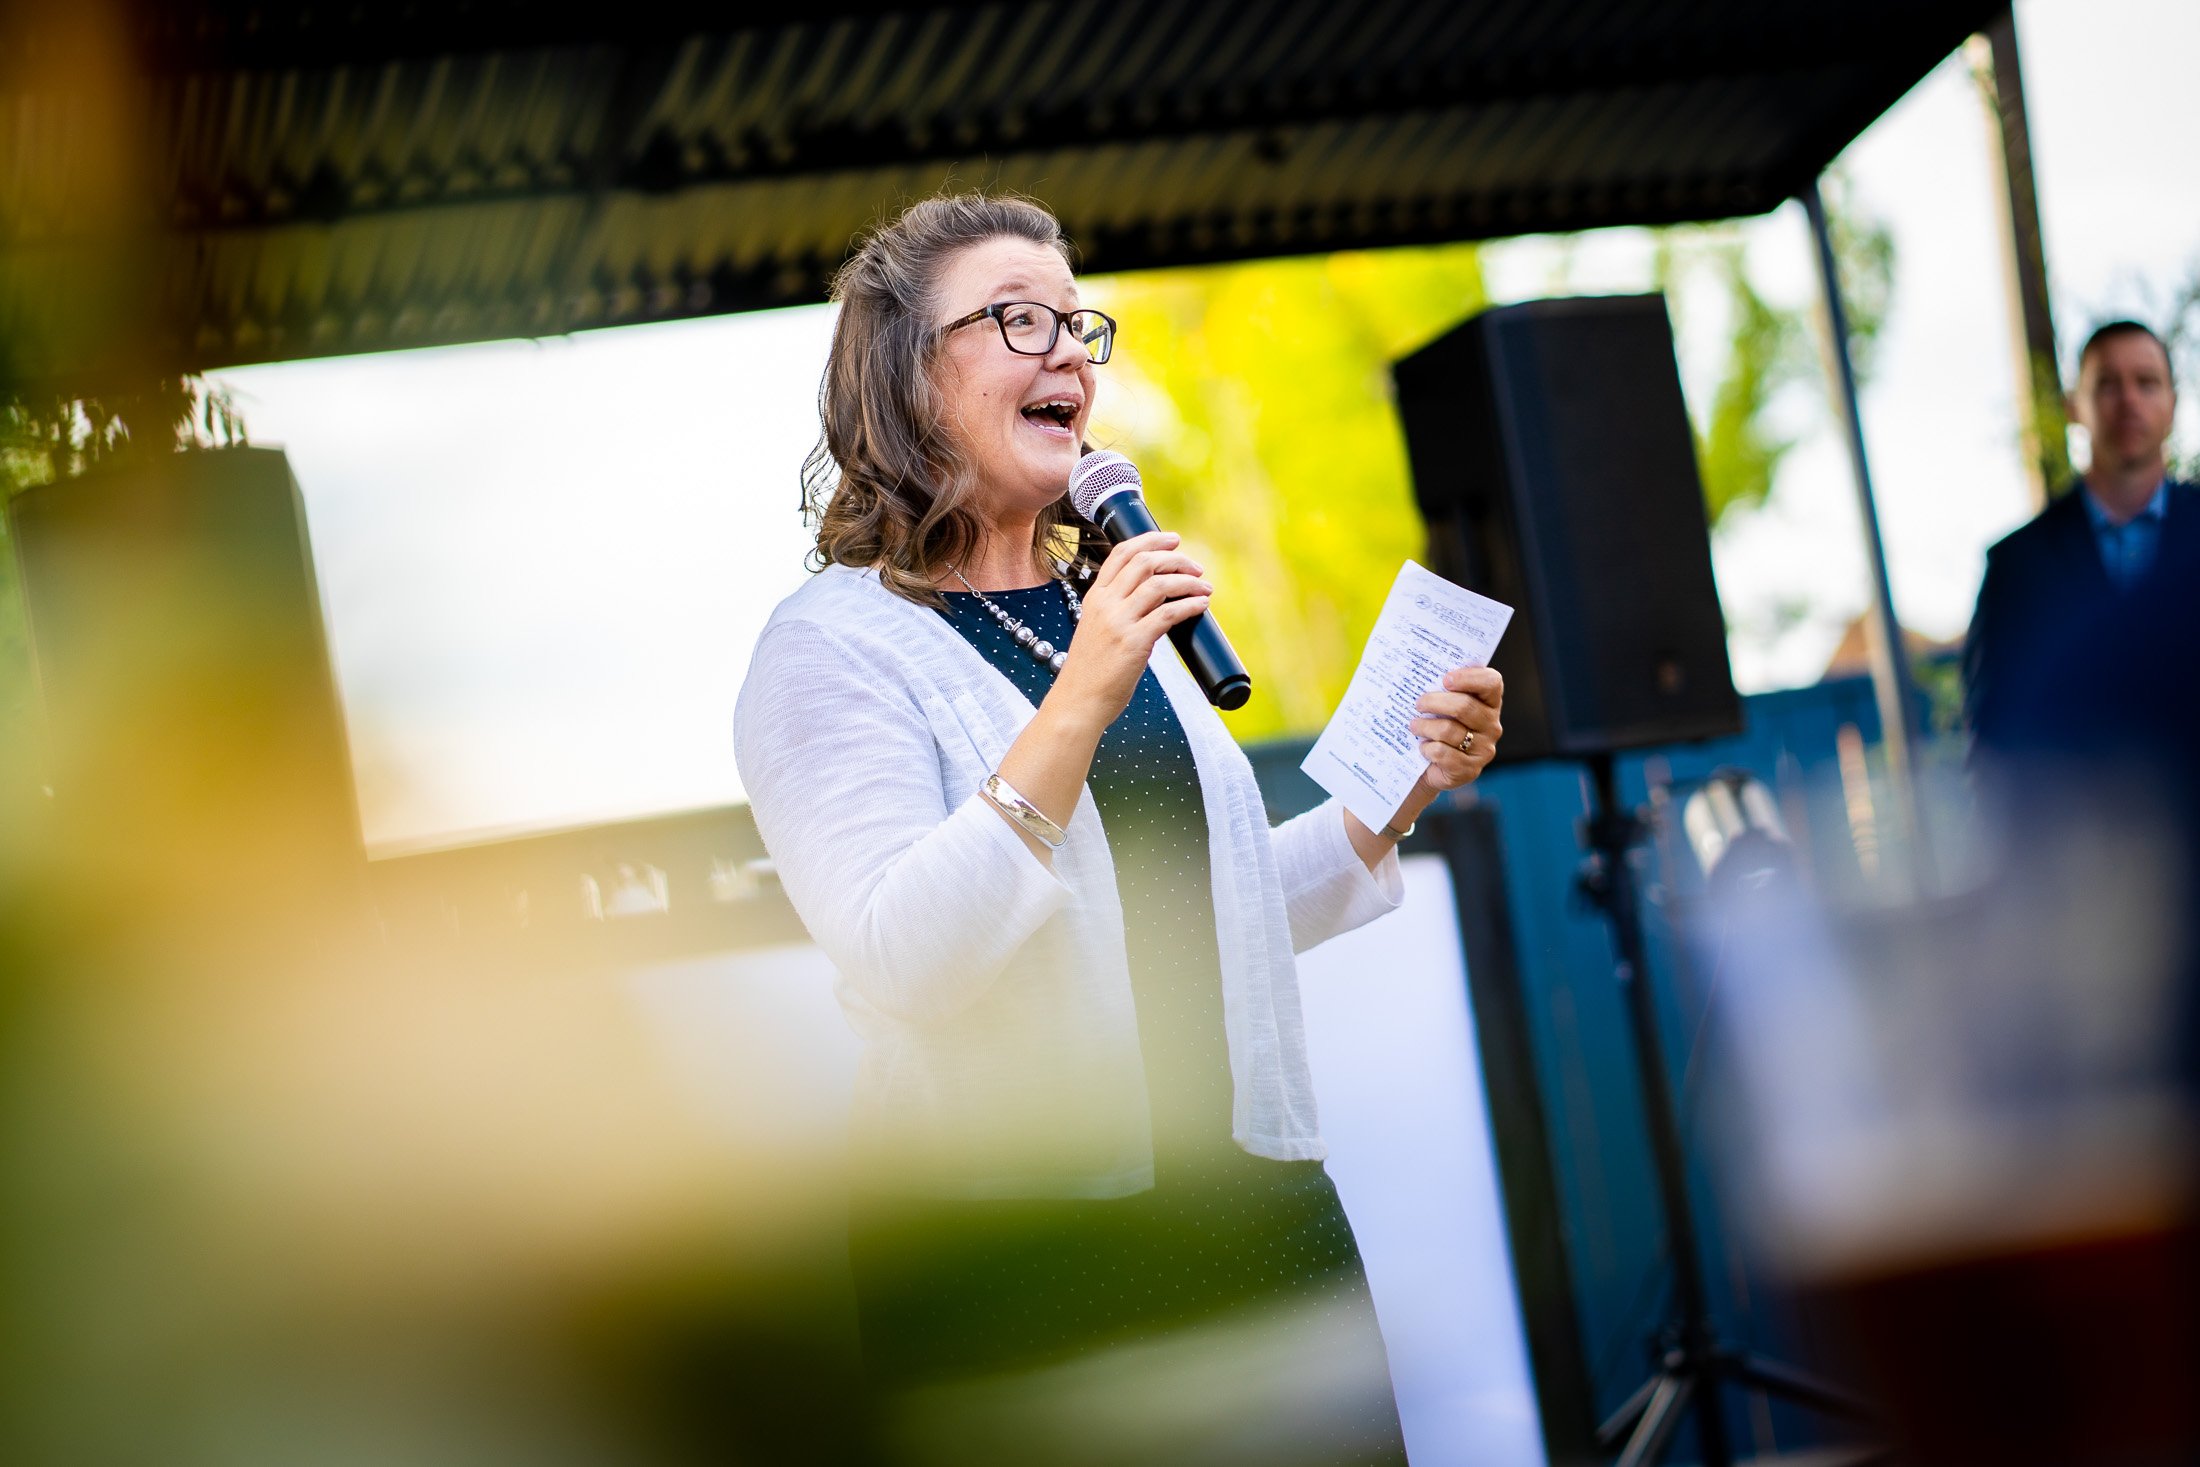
(1668, 1399)
(1711, 1420)
(1620, 1422)
(1773, 1378)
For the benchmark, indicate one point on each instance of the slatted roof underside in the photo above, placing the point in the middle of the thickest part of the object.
(311, 181)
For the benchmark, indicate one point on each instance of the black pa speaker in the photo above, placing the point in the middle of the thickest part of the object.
(1554, 465)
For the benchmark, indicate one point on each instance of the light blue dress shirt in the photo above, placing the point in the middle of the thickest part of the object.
(2128, 549)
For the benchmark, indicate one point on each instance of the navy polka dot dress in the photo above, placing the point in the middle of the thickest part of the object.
(949, 1290)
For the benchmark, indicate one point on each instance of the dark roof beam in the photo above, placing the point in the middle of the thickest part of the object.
(640, 79)
(420, 320)
(666, 163)
(375, 324)
(1860, 105)
(184, 37)
(417, 319)
(1199, 239)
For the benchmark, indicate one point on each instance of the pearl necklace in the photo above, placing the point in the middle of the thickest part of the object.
(1040, 649)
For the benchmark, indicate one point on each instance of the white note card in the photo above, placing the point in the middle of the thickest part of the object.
(1367, 756)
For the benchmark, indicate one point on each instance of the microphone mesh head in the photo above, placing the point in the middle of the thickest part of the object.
(1098, 475)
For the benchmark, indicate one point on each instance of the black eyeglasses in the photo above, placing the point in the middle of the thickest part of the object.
(1031, 329)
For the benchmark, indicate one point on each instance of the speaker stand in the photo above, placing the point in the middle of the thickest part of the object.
(1694, 1364)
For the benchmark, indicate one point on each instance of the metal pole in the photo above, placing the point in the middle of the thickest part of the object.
(1890, 665)
(1611, 832)
(1994, 63)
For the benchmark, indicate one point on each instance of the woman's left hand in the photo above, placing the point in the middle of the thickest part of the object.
(1459, 727)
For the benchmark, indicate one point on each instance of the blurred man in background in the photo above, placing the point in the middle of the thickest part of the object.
(2078, 666)
(2079, 688)
(2124, 528)
(2110, 539)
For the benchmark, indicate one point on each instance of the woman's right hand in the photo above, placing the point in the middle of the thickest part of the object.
(1145, 587)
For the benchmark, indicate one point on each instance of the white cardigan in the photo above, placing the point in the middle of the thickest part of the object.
(993, 995)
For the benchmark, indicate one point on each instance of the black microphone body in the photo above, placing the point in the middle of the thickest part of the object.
(1214, 663)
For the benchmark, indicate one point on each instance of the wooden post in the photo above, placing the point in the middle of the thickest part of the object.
(1993, 57)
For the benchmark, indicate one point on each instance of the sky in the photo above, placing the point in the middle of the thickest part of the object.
(544, 562)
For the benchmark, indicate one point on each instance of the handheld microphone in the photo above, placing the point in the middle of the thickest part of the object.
(1105, 488)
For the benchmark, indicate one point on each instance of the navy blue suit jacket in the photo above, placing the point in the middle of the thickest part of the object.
(2046, 597)
(2097, 689)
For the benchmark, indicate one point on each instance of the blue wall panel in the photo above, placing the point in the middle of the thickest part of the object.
(1584, 1057)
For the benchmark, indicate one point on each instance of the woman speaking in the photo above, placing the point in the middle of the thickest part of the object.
(1062, 924)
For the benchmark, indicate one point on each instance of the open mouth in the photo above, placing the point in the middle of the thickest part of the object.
(1055, 412)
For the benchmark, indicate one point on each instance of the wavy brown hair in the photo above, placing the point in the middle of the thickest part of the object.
(890, 489)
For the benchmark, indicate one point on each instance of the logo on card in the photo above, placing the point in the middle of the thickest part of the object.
(1450, 616)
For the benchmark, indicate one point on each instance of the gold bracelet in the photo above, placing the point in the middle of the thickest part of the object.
(1399, 834)
(1028, 817)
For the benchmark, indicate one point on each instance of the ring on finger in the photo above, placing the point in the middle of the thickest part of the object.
(1466, 745)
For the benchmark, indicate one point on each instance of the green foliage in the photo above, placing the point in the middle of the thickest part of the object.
(1863, 253)
(45, 439)
(1738, 445)
(1737, 450)
(2182, 337)
(1257, 401)
(1939, 676)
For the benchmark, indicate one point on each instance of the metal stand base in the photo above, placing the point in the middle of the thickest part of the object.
(1695, 1364)
(1645, 1423)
